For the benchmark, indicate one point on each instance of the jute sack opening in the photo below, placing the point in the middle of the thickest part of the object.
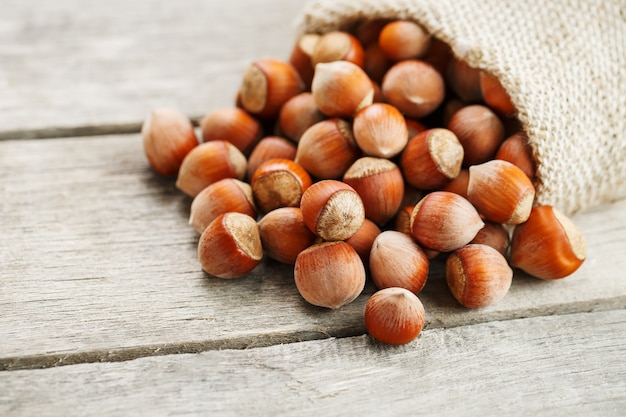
(562, 62)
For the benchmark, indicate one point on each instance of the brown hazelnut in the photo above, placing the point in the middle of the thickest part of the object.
(210, 162)
(338, 46)
(368, 31)
(548, 245)
(376, 63)
(327, 149)
(438, 55)
(341, 88)
(279, 183)
(464, 80)
(223, 196)
(380, 130)
(414, 87)
(298, 114)
(270, 147)
(363, 239)
(332, 210)
(495, 96)
(478, 275)
(301, 55)
(168, 136)
(432, 159)
(329, 274)
(397, 261)
(495, 235)
(444, 221)
(233, 125)
(459, 184)
(230, 246)
(267, 85)
(500, 191)
(380, 185)
(479, 130)
(394, 316)
(284, 234)
(403, 39)
(516, 150)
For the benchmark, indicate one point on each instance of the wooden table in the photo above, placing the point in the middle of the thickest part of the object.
(104, 309)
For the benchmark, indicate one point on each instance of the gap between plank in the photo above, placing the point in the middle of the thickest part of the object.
(258, 341)
(77, 131)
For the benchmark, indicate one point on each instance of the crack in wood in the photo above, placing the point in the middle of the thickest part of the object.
(131, 353)
(270, 339)
(77, 131)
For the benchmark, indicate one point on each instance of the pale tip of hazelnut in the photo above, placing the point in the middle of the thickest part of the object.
(346, 206)
(574, 236)
(446, 152)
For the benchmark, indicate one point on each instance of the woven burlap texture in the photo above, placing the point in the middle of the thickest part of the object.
(562, 62)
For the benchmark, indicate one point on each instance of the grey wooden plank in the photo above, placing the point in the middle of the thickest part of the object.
(98, 263)
(73, 67)
(559, 366)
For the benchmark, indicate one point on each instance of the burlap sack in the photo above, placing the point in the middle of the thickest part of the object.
(563, 63)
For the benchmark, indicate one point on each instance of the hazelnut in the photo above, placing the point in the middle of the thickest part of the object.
(380, 185)
(402, 222)
(464, 80)
(450, 107)
(432, 159)
(363, 239)
(327, 149)
(279, 183)
(368, 31)
(298, 114)
(480, 132)
(168, 136)
(329, 274)
(478, 275)
(230, 246)
(332, 210)
(223, 196)
(438, 55)
(414, 127)
(378, 93)
(376, 63)
(444, 221)
(234, 125)
(403, 39)
(210, 162)
(284, 234)
(459, 184)
(270, 147)
(267, 85)
(548, 245)
(394, 316)
(341, 88)
(338, 46)
(516, 150)
(301, 55)
(380, 130)
(414, 87)
(500, 191)
(412, 195)
(495, 235)
(397, 261)
(495, 96)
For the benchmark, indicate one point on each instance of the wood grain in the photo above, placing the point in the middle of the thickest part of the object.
(98, 263)
(70, 68)
(559, 366)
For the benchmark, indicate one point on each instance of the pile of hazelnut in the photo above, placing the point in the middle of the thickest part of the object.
(368, 152)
